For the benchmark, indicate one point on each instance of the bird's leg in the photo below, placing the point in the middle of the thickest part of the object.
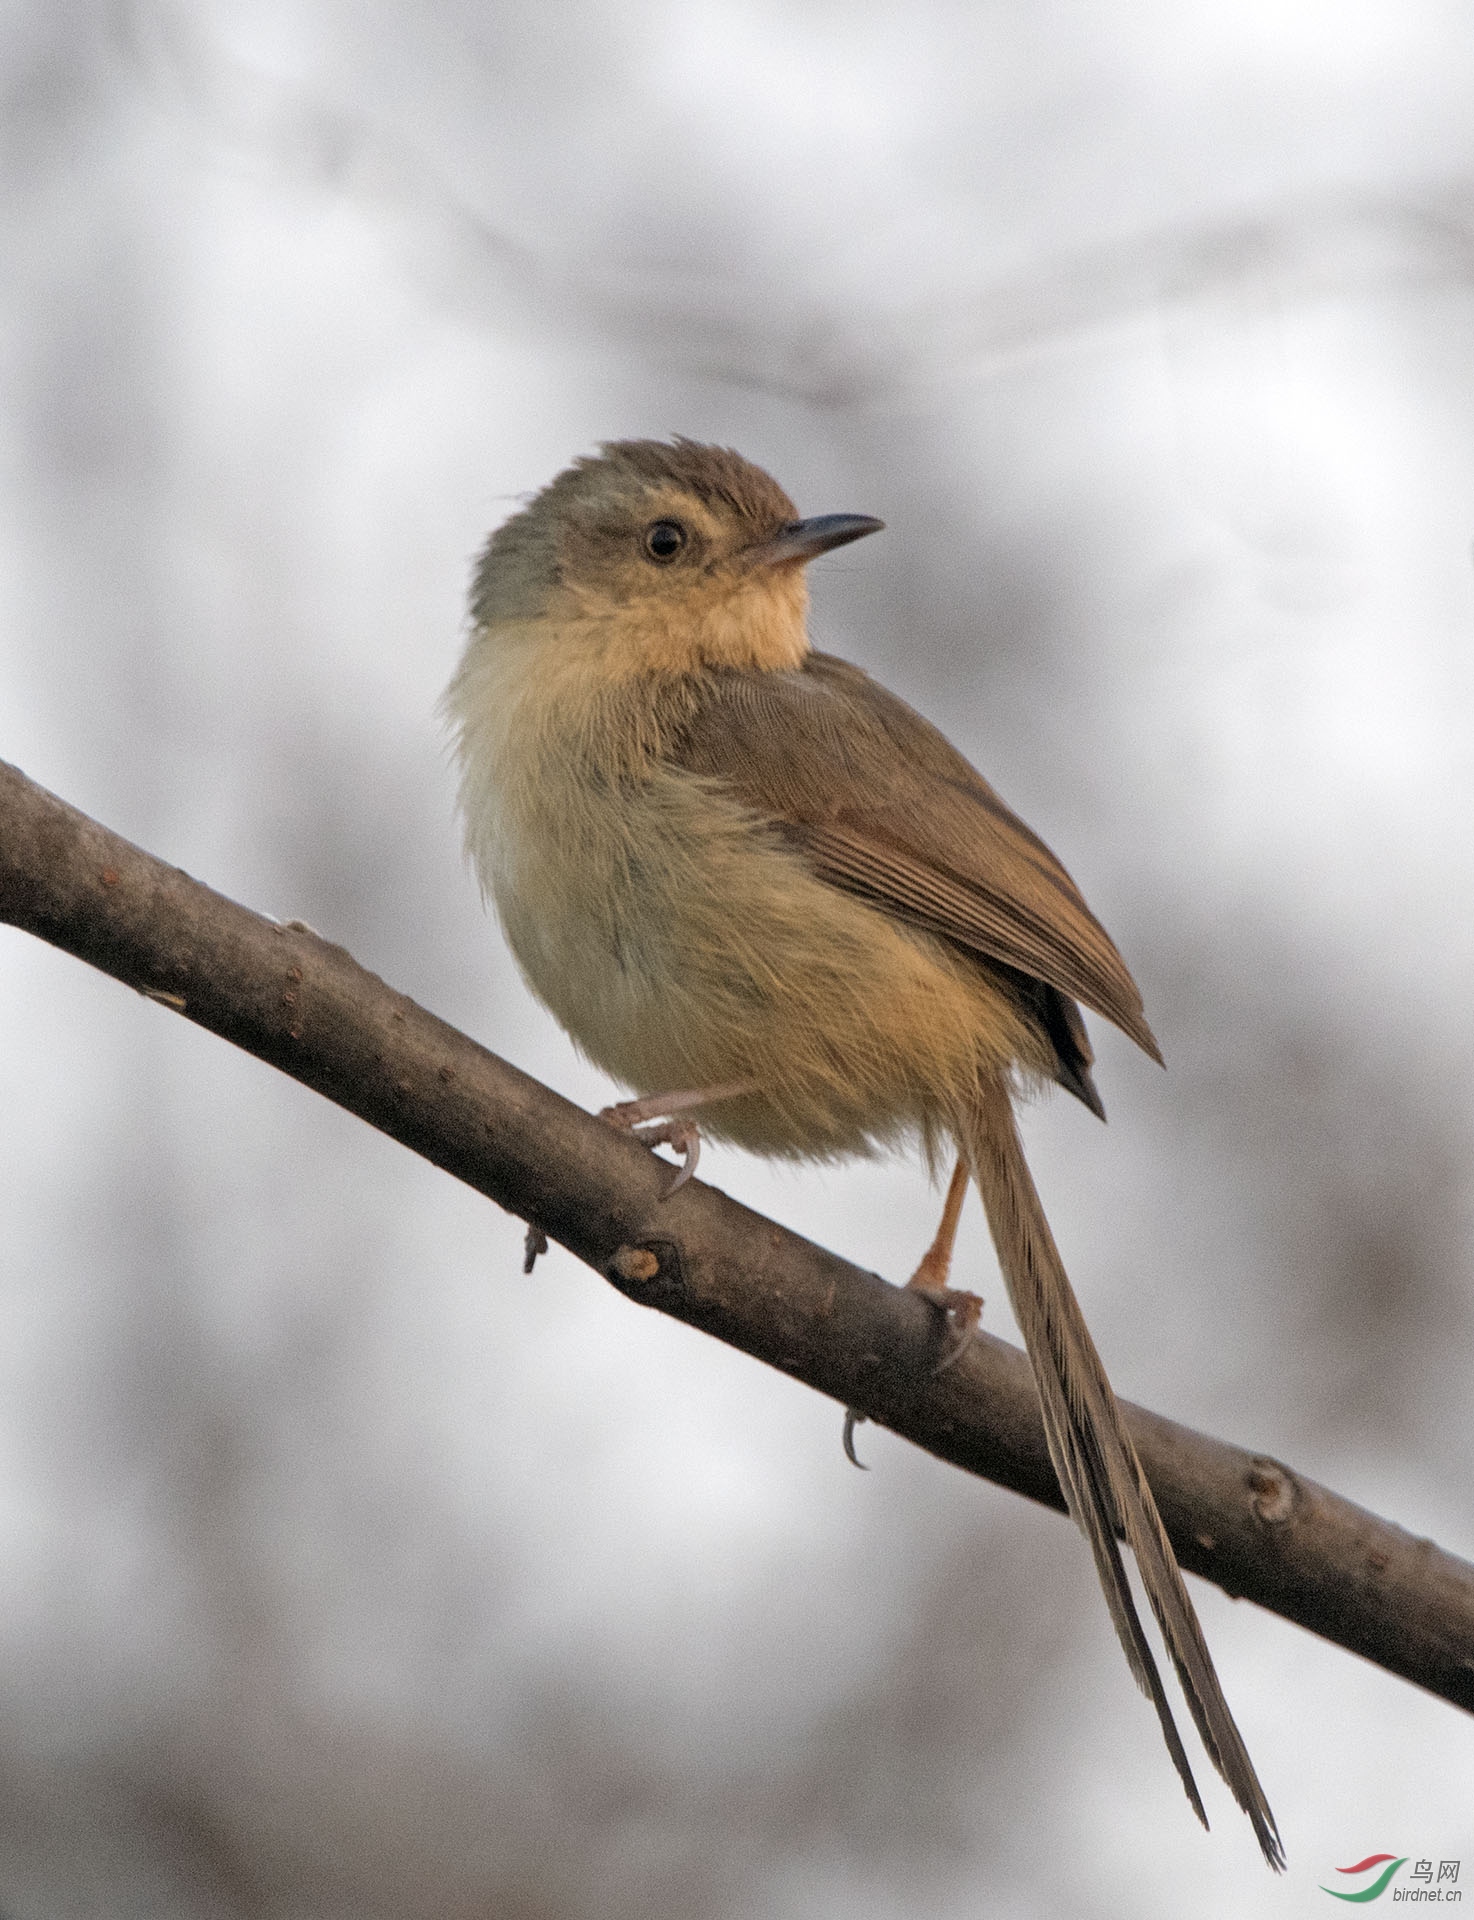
(655, 1120)
(963, 1310)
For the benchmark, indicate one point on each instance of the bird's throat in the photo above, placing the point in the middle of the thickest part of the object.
(759, 624)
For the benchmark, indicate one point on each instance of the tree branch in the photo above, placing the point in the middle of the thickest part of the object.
(1253, 1526)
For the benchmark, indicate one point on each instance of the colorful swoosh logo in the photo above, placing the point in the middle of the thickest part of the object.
(1378, 1886)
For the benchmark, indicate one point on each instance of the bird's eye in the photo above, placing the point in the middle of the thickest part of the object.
(664, 540)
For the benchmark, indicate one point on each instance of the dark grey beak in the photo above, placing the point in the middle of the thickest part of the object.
(805, 539)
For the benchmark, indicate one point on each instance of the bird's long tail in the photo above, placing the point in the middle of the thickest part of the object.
(1099, 1472)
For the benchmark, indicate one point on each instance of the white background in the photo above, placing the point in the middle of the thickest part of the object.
(343, 1571)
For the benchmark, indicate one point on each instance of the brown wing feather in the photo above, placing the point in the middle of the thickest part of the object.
(885, 807)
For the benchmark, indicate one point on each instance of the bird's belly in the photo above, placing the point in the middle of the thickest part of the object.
(682, 945)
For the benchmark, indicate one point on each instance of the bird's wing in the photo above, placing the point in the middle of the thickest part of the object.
(883, 806)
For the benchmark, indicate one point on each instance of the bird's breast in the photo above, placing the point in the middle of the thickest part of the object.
(683, 943)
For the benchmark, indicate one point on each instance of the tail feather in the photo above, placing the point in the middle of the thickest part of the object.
(1099, 1472)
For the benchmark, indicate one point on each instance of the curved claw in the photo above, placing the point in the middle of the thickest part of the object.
(652, 1130)
(534, 1245)
(686, 1139)
(851, 1421)
(683, 1135)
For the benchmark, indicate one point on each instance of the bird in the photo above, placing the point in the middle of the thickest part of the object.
(763, 893)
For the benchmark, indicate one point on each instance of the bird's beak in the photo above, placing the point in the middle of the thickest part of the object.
(804, 539)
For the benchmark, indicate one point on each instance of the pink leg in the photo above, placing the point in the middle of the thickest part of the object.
(936, 1262)
(963, 1310)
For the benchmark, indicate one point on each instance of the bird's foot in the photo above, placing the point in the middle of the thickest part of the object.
(656, 1121)
(683, 1135)
(962, 1310)
(962, 1314)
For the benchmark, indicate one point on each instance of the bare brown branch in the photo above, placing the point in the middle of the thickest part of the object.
(1248, 1523)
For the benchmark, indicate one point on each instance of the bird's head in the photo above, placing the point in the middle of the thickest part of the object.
(658, 556)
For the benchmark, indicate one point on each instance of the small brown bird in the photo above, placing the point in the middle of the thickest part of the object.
(754, 885)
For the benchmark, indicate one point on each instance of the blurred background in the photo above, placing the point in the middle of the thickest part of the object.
(346, 1572)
